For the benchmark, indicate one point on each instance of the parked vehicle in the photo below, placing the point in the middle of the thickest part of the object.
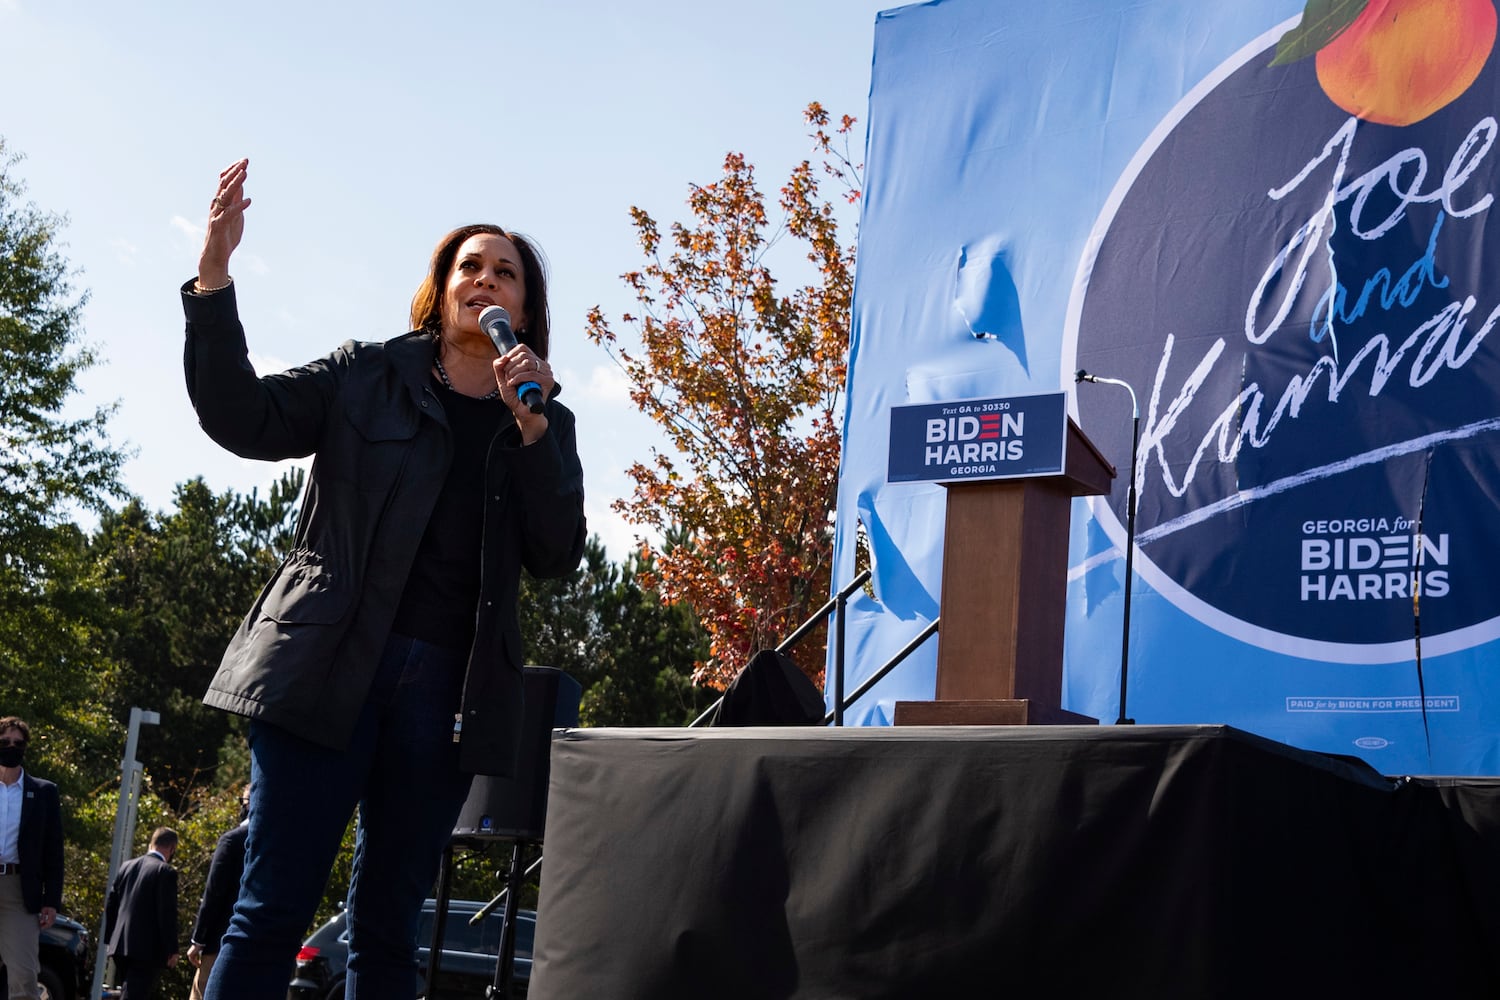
(471, 953)
(65, 971)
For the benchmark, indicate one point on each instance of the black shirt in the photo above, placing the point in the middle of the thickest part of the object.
(442, 590)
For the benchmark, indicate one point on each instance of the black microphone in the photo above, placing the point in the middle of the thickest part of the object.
(495, 322)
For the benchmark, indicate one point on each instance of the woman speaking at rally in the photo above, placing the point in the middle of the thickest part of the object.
(381, 665)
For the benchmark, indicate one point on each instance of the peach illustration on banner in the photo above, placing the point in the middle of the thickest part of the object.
(1394, 62)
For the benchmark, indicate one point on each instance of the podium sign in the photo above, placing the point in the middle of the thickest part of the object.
(1005, 553)
(973, 440)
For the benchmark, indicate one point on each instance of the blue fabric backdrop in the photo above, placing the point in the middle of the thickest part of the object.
(1300, 298)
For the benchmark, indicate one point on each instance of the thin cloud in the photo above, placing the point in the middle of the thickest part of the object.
(194, 232)
(604, 384)
(185, 226)
(270, 474)
(125, 251)
(619, 537)
(265, 364)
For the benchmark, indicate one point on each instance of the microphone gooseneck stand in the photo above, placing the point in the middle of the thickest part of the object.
(1130, 499)
(502, 986)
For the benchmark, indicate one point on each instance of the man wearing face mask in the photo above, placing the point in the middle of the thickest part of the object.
(31, 859)
(219, 893)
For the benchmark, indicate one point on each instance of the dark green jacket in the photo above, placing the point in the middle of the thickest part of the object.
(305, 655)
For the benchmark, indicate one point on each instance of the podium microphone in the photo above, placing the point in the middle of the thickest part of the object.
(495, 322)
(1135, 436)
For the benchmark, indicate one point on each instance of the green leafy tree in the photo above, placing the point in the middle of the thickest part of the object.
(168, 589)
(56, 669)
(51, 467)
(560, 616)
(178, 585)
(198, 830)
(632, 653)
(652, 648)
(49, 464)
(746, 378)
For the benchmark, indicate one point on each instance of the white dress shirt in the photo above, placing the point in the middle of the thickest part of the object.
(10, 819)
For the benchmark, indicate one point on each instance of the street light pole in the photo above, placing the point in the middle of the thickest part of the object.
(130, 792)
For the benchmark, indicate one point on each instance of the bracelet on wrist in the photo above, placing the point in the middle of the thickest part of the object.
(198, 288)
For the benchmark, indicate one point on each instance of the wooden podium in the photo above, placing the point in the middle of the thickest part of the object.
(1005, 564)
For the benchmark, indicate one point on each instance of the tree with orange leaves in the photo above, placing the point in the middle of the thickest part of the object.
(748, 383)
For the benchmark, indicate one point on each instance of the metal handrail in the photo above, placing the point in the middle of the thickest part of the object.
(835, 602)
(879, 675)
(840, 703)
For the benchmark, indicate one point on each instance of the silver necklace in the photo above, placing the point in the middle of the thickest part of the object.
(437, 362)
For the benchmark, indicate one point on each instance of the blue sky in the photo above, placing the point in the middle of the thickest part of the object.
(371, 130)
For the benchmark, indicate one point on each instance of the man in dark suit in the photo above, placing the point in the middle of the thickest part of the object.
(140, 918)
(31, 859)
(220, 891)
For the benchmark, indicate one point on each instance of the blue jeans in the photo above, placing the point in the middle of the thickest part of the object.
(401, 769)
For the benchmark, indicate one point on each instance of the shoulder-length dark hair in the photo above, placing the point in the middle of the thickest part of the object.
(427, 304)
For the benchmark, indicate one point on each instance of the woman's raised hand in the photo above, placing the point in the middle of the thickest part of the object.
(226, 224)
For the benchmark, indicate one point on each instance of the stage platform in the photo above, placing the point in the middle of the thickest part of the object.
(1137, 861)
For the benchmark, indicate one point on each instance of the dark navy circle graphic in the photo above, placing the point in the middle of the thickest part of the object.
(1304, 304)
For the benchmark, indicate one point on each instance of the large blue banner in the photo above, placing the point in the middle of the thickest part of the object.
(1273, 220)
